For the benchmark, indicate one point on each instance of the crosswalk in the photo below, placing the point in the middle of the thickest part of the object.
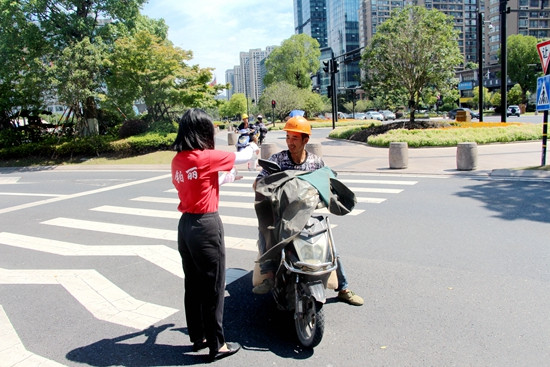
(100, 296)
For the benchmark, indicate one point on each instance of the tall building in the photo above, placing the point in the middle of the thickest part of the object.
(310, 17)
(247, 77)
(343, 37)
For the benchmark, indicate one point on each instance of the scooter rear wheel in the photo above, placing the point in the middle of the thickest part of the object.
(310, 324)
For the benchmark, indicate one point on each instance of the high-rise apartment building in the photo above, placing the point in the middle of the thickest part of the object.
(247, 77)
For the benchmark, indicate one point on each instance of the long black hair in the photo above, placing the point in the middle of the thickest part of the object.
(196, 131)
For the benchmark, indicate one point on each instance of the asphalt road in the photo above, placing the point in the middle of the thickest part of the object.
(454, 271)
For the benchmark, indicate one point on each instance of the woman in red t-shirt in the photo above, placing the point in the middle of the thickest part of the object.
(200, 231)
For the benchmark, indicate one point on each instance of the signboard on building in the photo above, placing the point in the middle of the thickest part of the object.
(466, 85)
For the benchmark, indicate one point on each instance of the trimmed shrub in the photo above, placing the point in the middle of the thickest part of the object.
(132, 128)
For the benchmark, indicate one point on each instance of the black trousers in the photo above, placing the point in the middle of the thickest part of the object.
(202, 249)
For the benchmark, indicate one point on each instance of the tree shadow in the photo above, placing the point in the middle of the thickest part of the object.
(253, 321)
(513, 200)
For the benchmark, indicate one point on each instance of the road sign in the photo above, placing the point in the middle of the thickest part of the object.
(543, 87)
(544, 54)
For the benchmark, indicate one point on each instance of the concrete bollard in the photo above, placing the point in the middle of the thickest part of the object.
(399, 155)
(267, 150)
(466, 156)
(232, 138)
(315, 148)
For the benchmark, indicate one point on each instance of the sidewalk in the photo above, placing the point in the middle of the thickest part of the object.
(495, 160)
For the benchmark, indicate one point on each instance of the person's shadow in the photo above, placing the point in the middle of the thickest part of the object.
(251, 320)
(113, 352)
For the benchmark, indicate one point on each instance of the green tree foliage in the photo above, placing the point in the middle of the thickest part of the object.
(414, 49)
(515, 95)
(43, 32)
(77, 78)
(22, 70)
(486, 97)
(290, 97)
(146, 67)
(235, 106)
(293, 62)
(522, 55)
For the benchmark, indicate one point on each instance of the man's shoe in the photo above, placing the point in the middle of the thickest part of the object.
(350, 297)
(264, 287)
(232, 348)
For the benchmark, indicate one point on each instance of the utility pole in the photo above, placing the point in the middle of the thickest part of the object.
(331, 67)
(504, 10)
(480, 58)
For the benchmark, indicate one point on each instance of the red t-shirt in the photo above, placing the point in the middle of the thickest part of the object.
(195, 176)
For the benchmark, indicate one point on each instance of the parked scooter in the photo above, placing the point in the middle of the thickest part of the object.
(302, 245)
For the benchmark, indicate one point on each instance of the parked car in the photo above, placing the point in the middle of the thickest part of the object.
(452, 113)
(388, 115)
(374, 115)
(513, 110)
(359, 115)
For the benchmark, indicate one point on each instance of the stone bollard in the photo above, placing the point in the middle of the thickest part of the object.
(399, 155)
(232, 138)
(315, 148)
(466, 156)
(267, 150)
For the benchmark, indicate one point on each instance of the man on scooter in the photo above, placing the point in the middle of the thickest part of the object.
(298, 131)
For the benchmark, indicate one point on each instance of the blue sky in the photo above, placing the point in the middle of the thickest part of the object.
(217, 30)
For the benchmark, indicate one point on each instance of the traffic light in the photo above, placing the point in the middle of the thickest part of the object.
(335, 66)
(326, 68)
(329, 91)
(273, 103)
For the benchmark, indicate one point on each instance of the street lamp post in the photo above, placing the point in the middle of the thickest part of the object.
(503, 62)
(480, 59)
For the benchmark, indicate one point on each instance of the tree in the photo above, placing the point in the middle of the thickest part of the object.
(522, 55)
(145, 67)
(22, 70)
(235, 106)
(515, 95)
(414, 49)
(293, 62)
(486, 97)
(290, 97)
(77, 78)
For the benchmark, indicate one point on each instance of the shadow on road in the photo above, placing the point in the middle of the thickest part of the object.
(513, 200)
(251, 320)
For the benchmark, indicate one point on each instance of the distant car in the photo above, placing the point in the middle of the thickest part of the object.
(452, 113)
(359, 115)
(388, 115)
(373, 115)
(513, 110)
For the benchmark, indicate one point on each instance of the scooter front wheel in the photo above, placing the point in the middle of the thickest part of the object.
(309, 322)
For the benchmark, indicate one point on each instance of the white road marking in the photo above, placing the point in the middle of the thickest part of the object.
(13, 352)
(226, 219)
(162, 256)
(80, 194)
(9, 180)
(97, 294)
(380, 182)
(145, 232)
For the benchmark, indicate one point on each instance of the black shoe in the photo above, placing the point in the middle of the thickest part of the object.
(201, 344)
(232, 349)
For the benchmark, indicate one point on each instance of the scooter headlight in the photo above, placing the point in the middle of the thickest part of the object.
(312, 250)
